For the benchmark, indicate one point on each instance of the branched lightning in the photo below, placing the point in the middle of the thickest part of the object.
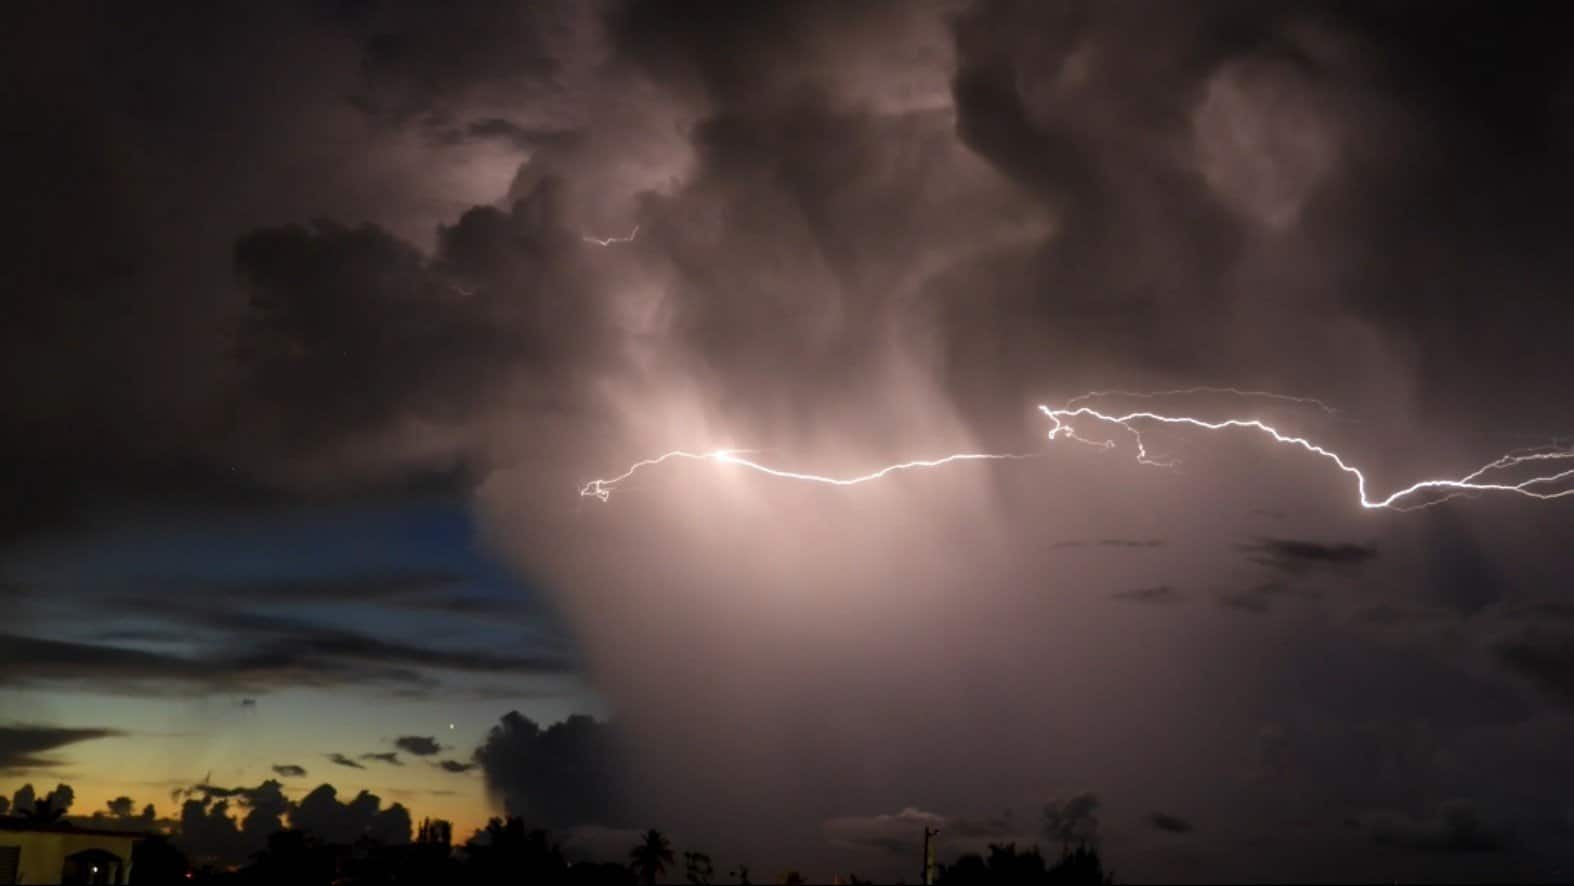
(1445, 488)
(608, 241)
(1556, 481)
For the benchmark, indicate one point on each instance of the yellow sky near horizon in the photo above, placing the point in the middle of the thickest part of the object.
(173, 743)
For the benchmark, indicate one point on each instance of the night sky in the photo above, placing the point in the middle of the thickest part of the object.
(317, 318)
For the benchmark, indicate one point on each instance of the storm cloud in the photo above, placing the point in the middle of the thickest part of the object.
(564, 775)
(358, 254)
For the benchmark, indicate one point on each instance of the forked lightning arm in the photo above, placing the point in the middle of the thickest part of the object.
(1447, 487)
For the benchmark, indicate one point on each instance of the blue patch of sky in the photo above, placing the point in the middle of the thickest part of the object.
(182, 553)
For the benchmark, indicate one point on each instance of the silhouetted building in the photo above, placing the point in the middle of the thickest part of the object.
(59, 852)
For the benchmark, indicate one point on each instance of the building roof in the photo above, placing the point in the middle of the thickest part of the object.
(20, 823)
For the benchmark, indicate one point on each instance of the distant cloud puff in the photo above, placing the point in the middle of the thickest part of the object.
(1171, 823)
(421, 746)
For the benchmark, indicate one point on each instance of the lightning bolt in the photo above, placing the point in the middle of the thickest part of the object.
(602, 489)
(1064, 421)
(608, 241)
(1475, 481)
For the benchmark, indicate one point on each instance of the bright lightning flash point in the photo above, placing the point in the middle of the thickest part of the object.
(608, 241)
(1556, 482)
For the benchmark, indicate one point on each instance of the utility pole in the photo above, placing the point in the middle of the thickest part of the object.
(929, 855)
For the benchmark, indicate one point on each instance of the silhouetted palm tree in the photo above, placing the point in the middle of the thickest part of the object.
(44, 812)
(650, 858)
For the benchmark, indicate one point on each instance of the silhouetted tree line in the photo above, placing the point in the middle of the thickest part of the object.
(506, 851)
(509, 852)
(1006, 865)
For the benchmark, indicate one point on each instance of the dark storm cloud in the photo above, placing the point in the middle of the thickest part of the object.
(570, 773)
(455, 767)
(209, 830)
(419, 745)
(733, 54)
(420, 60)
(354, 339)
(1368, 687)
(1458, 827)
(414, 588)
(1460, 573)
(1298, 556)
(1260, 598)
(1170, 823)
(28, 659)
(333, 821)
(414, 64)
(1127, 543)
(316, 363)
(1254, 604)
(1460, 171)
(1544, 656)
(520, 136)
(289, 770)
(284, 641)
(1155, 595)
(1226, 192)
(339, 759)
(389, 757)
(24, 747)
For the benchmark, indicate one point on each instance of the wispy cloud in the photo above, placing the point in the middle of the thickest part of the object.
(24, 747)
